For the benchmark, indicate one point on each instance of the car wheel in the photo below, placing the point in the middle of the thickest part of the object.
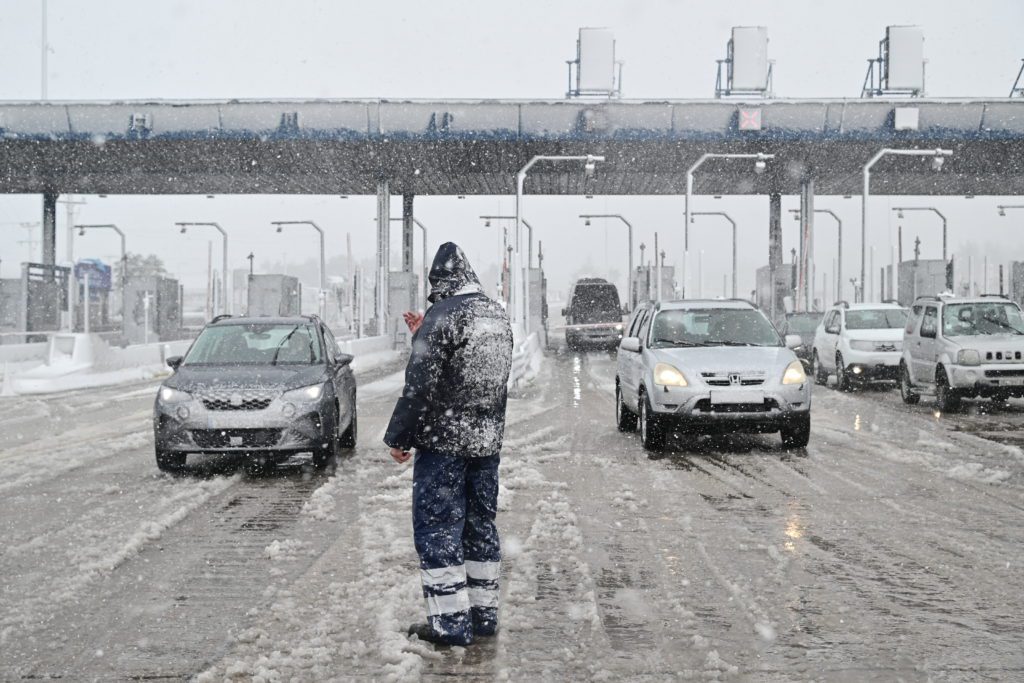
(947, 399)
(169, 462)
(625, 420)
(907, 393)
(329, 449)
(843, 382)
(797, 433)
(348, 438)
(820, 373)
(652, 434)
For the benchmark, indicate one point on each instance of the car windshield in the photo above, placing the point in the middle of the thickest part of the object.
(803, 323)
(596, 303)
(713, 327)
(876, 319)
(256, 344)
(1003, 317)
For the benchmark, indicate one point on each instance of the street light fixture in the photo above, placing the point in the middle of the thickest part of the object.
(937, 161)
(124, 259)
(839, 250)
(521, 310)
(629, 272)
(734, 238)
(760, 166)
(226, 302)
(322, 298)
(899, 214)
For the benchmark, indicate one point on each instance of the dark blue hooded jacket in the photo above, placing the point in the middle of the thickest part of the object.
(455, 384)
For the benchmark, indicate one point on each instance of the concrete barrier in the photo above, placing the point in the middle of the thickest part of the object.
(526, 360)
(366, 345)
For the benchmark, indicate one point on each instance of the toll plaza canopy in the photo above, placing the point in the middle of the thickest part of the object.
(476, 147)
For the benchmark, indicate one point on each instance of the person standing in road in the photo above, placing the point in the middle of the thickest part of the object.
(452, 411)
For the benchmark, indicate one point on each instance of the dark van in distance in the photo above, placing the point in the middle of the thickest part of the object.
(594, 316)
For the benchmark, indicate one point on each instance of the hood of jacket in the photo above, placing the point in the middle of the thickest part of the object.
(451, 274)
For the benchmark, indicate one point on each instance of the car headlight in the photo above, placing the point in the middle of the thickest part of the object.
(666, 375)
(618, 328)
(310, 393)
(861, 345)
(794, 373)
(169, 395)
(968, 357)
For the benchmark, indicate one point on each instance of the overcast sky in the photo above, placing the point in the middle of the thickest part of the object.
(113, 49)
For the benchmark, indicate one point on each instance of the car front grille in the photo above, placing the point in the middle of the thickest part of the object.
(706, 406)
(236, 399)
(726, 379)
(1003, 355)
(228, 438)
(1004, 373)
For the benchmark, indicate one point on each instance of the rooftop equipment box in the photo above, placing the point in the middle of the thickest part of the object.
(597, 60)
(904, 58)
(749, 58)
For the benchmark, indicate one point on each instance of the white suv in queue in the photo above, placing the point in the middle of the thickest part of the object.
(709, 366)
(859, 342)
(963, 347)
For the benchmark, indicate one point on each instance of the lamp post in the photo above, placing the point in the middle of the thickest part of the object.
(937, 155)
(226, 298)
(124, 259)
(899, 214)
(322, 298)
(839, 249)
(529, 234)
(727, 217)
(629, 229)
(521, 311)
(760, 166)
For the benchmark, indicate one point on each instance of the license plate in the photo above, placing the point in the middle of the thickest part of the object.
(736, 396)
(235, 440)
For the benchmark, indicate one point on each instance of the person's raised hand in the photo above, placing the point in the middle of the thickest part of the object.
(400, 456)
(413, 320)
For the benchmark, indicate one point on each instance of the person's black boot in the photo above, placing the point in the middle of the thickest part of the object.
(427, 634)
(485, 621)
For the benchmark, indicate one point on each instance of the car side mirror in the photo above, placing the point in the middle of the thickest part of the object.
(565, 312)
(630, 344)
(832, 330)
(343, 359)
(174, 362)
(793, 341)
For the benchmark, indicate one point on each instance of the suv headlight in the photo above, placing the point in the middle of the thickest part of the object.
(169, 395)
(794, 373)
(666, 375)
(968, 357)
(305, 394)
(861, 345)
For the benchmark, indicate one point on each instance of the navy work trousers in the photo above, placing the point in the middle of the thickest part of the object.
(454, 503)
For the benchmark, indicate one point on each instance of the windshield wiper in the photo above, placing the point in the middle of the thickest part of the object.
(679, 342)
(281, 345)
(723, 342)
(1005, 326)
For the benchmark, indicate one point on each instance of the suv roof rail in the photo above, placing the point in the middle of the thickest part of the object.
(927, 297)
(891, 301)
(997, 296)
(218, 318)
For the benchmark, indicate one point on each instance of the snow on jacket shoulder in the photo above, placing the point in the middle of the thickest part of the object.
(456, 381)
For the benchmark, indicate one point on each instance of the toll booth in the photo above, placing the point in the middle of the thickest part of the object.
(10, 306)
(785, 286)
(923, 277)
(153, 310)
(645, 285)
(273, 295)
(97, 300)
(43, 297)
(539, 304)
(401, 298)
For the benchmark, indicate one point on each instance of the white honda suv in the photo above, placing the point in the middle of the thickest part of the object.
(859, 342)
(963, 348)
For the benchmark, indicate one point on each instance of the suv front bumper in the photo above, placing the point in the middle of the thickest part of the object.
(990, 379)
(873, 364)
(700, 408)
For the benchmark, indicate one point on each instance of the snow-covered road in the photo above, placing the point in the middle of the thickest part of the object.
(890, 549)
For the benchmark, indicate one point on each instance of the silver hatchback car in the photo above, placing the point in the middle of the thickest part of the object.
(709, 366)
